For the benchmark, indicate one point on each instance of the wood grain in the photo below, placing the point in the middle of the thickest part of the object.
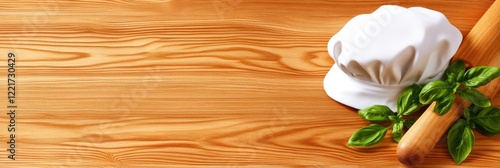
(218, 83)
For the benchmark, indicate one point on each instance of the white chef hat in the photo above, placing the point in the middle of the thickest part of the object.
(377, 55)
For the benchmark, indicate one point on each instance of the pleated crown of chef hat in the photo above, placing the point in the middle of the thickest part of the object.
(378, 55)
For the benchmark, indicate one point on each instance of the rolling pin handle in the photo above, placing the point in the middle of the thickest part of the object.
(408, 156)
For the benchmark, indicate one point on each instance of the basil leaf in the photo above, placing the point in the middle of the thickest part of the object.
(484, 131)
(394, 118)
(408, 123)
(481, 75)
(475, 97)
(472, 124)
(488, 121)
(376, 113)
(455, 72)
(433, 91)
(408, 102)
(467, 114)
(475, 109)
(368, 136)
(444, 104)
(455, 86)
(460, 141)
(397, 131)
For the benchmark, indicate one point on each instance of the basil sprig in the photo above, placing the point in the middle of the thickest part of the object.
(461, 81)
(457, 81)
(407, 103)
(481, 115)
(460, 136)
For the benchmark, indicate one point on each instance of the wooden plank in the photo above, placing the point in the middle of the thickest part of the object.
(199, 83)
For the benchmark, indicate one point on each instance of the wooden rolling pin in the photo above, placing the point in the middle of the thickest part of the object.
(480, 47)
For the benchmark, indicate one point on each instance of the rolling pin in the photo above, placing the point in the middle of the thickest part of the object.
(480, 47)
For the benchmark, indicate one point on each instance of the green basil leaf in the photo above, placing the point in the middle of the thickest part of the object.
(475, 109)
(443, 105)
(455, 72)
(368, 136)
(475, 97)
(460, 141)
(397, 131)
(481, 75)
(394, 118)
(472, 124)
(433, 91)
(455, 86)
(484, 131)
(408, 123)
(487, 121)
(376, 113)
(467, 114)
(408, 102)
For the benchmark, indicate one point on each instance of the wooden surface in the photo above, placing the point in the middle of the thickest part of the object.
(479, 48)
(221, 83)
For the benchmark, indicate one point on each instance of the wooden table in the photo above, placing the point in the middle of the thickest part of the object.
(202, 83)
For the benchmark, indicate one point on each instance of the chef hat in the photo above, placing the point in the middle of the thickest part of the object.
(378, 55)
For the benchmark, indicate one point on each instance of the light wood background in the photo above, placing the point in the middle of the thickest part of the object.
(222, 83)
